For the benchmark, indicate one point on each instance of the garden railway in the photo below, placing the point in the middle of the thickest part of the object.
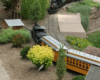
(76, 60)
(17, 70)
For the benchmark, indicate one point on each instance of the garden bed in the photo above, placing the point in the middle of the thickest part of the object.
(23, 69)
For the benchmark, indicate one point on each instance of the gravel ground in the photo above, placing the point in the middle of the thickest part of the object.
(22, 69)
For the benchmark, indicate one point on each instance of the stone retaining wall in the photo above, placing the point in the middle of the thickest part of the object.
(94, 19)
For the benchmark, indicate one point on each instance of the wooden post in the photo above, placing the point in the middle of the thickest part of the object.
(16, 8)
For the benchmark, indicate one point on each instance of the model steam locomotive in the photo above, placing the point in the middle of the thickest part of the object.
(56, 4)
(37, 32)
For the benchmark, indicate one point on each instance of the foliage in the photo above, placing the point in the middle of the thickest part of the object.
(25, 5)
(35, 9)
(44, 6)
(85, 21)
(90, 3)
(18, 40)
(94, 38)
(78, 43)
(7, 3)
(24, 51)
(79, 78)
(41, 55)
(7, 35)
(84, 10)
(61, 64)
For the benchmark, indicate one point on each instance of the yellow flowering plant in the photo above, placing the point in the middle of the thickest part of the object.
(77, 42)
(41, 55)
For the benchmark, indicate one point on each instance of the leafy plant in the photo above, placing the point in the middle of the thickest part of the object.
(44, 6)
(79, 78)
(90, 3)
(61, 64)
(7, 35)
(94, 38)
(78, 43)
(35, 11)
(24, 51)
(85, 21)
(18, 40)
(41, 55)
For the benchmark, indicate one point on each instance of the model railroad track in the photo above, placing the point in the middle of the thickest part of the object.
(52, 29)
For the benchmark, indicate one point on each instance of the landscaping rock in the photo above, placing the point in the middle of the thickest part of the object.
(94, 9)
(94, 24)
(92, 50)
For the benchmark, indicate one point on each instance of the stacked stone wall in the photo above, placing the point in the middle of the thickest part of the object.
(94, 19)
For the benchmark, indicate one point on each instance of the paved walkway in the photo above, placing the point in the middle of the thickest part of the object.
(3, 73)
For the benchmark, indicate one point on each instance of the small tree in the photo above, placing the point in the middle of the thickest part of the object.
(61, 64)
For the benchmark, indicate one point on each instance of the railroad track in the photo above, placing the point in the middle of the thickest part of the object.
(52, 29)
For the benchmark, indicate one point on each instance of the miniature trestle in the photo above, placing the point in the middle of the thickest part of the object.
(77, 61)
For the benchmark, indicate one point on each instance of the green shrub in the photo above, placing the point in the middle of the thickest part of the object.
(35, 11)
(84, 10)
(78, 43)
(78, 8)
(44, 6)
(24, 51)
(94, 38)
(25, 5)
(7, 35)
(18, 40)
(90, 3)
(41, 55)
(61, 64)
(85, 21)
(79, 78)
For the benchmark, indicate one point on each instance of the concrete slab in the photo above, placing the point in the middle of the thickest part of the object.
(93, 73)
(3, 73)
(97, 1)
(71, 25)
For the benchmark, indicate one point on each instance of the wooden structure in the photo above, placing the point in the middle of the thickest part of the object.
(77, 61)
(16, 9)
(16, 24)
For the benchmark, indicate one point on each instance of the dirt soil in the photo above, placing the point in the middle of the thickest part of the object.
(23, 69)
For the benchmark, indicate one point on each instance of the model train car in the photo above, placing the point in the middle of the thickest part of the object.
(37, 32)
(55, 4)
(77, 61)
